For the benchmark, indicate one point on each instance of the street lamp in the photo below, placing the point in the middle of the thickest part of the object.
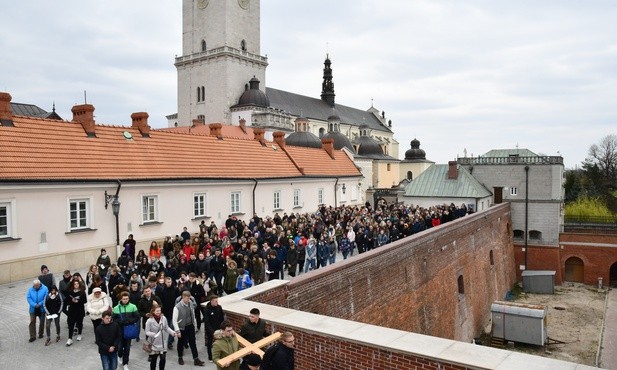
(115, 209)
(343, 188)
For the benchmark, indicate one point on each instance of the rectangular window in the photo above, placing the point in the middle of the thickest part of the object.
(235, 202)
(149, 208)
(513, 191)
(5, 220)
(277, 200)
(79, 214)
(320, 196)
(388, 166)
(199, 205)
(296, 197)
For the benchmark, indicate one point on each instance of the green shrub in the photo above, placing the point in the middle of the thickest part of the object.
(586, 206)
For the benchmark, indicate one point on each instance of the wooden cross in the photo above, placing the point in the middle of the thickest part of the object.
(249, 348)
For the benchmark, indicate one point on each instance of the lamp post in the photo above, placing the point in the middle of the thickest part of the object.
(115, 209)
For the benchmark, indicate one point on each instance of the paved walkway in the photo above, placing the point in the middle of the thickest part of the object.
(608, 354)
(17, 353)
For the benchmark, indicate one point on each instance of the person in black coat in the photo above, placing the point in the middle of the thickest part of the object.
(108, 339)
(213, 317)
(283, 358)
(168, 296)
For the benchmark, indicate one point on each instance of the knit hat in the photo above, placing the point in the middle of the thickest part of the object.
(96, 290)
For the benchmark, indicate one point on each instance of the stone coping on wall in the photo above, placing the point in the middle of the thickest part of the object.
(434, 348)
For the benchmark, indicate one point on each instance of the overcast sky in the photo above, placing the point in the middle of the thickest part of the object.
(456, 75)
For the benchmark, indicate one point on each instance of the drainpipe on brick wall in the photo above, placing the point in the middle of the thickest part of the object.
(254, 187)
(526, 212)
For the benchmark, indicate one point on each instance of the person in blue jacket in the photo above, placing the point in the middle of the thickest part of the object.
(36, 300)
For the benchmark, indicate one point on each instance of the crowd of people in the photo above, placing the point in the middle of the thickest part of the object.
(171, 289)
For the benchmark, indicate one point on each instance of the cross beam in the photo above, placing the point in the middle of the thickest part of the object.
(248, 348)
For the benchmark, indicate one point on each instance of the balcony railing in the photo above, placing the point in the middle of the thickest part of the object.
(222, 50)
(541, 159)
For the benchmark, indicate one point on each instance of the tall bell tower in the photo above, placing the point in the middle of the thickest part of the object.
(220, 54)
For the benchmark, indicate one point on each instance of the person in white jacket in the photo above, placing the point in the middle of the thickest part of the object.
(98, 302)
(156, 327)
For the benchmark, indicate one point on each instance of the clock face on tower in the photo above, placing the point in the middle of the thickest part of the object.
(202, 4)
(244, 4)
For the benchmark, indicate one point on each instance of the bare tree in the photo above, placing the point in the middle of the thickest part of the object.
(603, 156)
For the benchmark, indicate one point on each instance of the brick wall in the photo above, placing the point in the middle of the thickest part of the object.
(316, 351)
(597, 251)
(412, 284)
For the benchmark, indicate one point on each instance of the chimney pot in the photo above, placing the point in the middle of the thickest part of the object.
(452, 170)
(84, 114)
(198, 122)
(279, 138)
(216, 130)
(6, 113)
(140, 122)
(243, 125)
(328, 146)
(259, 135)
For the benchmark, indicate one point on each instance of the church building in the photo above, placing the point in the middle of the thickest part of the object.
(222, 79)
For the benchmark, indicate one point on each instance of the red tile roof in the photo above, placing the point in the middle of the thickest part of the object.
(41, 149)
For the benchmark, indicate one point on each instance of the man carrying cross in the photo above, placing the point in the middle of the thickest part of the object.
(224, 347)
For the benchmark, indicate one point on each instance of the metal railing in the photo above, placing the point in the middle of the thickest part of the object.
(540, 159)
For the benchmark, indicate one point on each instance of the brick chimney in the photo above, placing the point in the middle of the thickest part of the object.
(328, 146)
(259, 135)
(84, 114)
(140, 122)
(279, 138)
(215, 130)
(452, 170)
(6, 114)
(243, 125)
(198, 122)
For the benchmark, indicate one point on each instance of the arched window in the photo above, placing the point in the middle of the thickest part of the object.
(243, 45)
(203, 45)
(535, 235)
(203, 93)
(490, 257)
(461, 285)
(409, 175)
(198, 94)
(201, 117)
(321, 132)
(518, 234)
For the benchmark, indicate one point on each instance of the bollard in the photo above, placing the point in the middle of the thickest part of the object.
(599, 283)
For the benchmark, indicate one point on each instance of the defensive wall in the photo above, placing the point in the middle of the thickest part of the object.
(374, 311)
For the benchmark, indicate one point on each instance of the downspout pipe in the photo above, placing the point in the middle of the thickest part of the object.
(118, 220)
(335, 197)
(526, 213)
(254, 187)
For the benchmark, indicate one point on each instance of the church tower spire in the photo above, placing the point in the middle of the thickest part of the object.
(327, 86)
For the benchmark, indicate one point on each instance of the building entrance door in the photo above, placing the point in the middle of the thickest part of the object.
(575, 269)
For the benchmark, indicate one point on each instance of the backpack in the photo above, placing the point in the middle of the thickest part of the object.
(267, 360)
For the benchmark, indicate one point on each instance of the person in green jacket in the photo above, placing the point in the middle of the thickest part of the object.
(224, 347)
(125, 313)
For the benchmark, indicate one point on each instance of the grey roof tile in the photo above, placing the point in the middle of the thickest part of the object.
(318, 109)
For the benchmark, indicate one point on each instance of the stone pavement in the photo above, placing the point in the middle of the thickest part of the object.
(17, 353)
(608, 354)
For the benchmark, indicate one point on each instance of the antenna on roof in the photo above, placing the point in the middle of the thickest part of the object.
(85, 98)
(327, 49)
